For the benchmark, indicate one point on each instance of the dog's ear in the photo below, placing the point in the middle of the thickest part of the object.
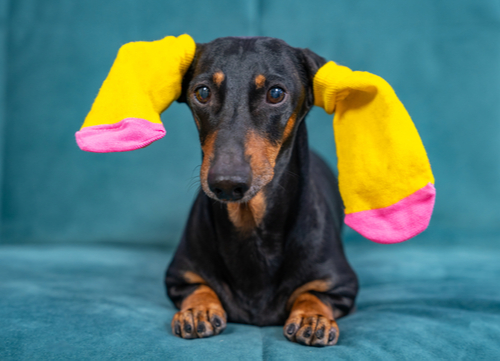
(188, 76)
(144, 80)
(385, 177)
(310, 64)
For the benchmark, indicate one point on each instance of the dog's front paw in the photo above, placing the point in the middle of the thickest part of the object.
(311, 330)
(311, 322)
(200, 321)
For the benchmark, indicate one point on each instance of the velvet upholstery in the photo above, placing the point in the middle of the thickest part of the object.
(418, 301)
(85, 238)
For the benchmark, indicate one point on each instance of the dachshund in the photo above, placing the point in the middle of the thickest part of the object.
(262, 244)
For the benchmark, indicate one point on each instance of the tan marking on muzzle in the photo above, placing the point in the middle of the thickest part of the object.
(260, 81)
(262, 154)
(246, 216)
(208, 155)
(258, 207)
(218, 78)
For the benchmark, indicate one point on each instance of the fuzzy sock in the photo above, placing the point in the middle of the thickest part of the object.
(385, 177)
(144, 80)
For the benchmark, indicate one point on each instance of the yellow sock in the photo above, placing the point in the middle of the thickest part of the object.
(144, 80)
(385, 177)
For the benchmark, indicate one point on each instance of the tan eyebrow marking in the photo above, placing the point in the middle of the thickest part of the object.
(218, 78)
(260, 80)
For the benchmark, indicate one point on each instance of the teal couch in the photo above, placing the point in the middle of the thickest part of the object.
(85, 238)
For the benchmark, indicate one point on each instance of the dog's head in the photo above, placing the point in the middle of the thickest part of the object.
(247, 96)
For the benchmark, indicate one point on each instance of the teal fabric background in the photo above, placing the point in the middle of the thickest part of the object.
(85, 238)
(442, 58)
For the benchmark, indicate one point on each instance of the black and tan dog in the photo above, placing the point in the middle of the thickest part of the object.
(262, 244)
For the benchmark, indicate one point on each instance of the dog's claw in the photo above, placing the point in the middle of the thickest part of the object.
(332, 334)
(307, 332)
(217, 322)
(201, 328)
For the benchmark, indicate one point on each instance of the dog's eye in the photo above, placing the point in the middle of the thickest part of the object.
(275, 95)
(202, 94)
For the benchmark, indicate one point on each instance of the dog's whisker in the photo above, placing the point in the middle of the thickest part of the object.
(194, 169)
(291, 173)
(193, 177)
(281, 186)
(194, 185)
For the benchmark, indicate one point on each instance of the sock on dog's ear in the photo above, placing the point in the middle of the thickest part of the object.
(385, 177)
(188, 76)
(311, 63)
(144, 80)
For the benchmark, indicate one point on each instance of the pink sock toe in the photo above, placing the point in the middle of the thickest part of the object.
(128, 134)
(396, 223)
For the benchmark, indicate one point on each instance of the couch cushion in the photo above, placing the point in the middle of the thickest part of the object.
(417, 301)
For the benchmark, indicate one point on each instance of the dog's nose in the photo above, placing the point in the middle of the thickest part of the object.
(229, 189)
(230, 183)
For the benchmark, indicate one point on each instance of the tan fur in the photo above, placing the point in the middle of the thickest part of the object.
(316, 285)
(262, 154)
(260, 81)
(193, 278)
(246, 216)
(258, 207)
(202, 297)
(198, 125)
(241, 216)
(208, 154)
(218, 78)
(308, 304)
(289, 127)
(199, 307)
(309, 316)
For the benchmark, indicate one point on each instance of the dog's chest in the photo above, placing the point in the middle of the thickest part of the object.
(254, 267)
(254, 260)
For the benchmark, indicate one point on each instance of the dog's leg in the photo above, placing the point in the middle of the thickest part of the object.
(201, 315)
(311, 322)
